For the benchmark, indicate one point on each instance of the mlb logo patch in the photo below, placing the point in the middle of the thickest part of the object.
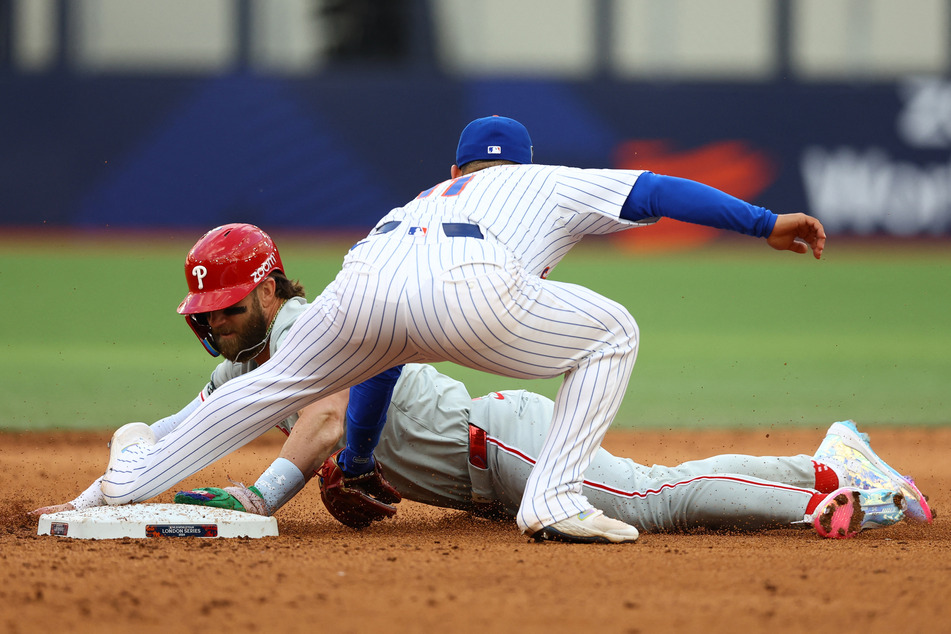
(495, 149)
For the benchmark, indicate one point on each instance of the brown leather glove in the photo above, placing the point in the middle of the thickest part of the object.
(356, 501)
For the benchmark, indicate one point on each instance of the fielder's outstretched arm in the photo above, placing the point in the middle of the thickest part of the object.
(657, 196)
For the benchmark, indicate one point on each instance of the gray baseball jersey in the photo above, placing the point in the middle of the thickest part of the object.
(456, 275)
(441, 447)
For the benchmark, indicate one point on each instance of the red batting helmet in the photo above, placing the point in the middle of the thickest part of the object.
(223, 267)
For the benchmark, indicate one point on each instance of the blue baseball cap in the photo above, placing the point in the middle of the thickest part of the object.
(492, 139)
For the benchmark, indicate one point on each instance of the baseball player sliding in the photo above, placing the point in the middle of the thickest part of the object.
(458, 274)
(443, 448)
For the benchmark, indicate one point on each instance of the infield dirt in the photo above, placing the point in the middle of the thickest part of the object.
(435, 570)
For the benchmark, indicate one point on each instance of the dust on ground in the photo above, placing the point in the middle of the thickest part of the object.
(440, 570)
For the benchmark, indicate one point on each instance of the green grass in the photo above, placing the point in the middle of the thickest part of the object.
(733, 335)
(755, 337)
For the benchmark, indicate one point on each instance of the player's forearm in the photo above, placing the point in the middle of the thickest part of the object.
(91, 497)
(162, 427)
(366, 415)
(316, 433)
(654, 196)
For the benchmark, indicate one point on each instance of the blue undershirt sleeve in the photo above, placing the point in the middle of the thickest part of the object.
(655, 196)
(366, 416)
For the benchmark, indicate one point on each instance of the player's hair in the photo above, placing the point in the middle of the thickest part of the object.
(475, 166)
(285, 288)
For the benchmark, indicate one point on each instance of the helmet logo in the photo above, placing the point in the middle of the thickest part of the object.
(262, 270)
(200, 272)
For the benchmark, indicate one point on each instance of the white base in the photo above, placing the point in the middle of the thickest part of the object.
(155, 520)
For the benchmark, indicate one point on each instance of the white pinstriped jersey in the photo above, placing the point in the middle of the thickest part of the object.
(538, 211)
(227, 370)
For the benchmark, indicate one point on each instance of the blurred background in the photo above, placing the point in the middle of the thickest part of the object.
(151, 122)
(325, 114)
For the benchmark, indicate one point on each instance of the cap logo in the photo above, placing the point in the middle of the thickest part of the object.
(495, 149)
(200, 272)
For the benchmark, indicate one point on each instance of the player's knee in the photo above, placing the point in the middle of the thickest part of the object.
(626, 334)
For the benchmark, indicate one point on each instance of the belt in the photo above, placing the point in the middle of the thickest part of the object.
(478, 455)
(451, 229)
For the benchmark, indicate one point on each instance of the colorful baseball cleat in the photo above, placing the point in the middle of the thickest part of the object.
(848, 511)
(848, 449)
(236, 498)
(589, 527)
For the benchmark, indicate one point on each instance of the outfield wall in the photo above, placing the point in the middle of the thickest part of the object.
(337, 151)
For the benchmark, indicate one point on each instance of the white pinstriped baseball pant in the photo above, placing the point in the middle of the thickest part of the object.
(401, 298)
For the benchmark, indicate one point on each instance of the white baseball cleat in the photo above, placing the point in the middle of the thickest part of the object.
(130, 435)
(125, 443)
(589, 527)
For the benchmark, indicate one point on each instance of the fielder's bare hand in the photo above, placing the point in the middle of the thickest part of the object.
(798, 233)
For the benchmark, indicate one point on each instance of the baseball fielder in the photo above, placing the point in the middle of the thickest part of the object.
(459, 274)
(443, 448)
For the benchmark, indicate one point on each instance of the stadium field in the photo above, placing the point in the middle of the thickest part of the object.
(732, 335)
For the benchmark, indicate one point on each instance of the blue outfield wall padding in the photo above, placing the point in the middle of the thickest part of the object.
(337, 151)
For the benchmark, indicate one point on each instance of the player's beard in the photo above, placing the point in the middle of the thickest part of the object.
(247, 344)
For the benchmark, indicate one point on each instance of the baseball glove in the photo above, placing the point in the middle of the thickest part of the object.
(356, 501)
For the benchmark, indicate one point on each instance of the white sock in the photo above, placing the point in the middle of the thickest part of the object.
(279, 483)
